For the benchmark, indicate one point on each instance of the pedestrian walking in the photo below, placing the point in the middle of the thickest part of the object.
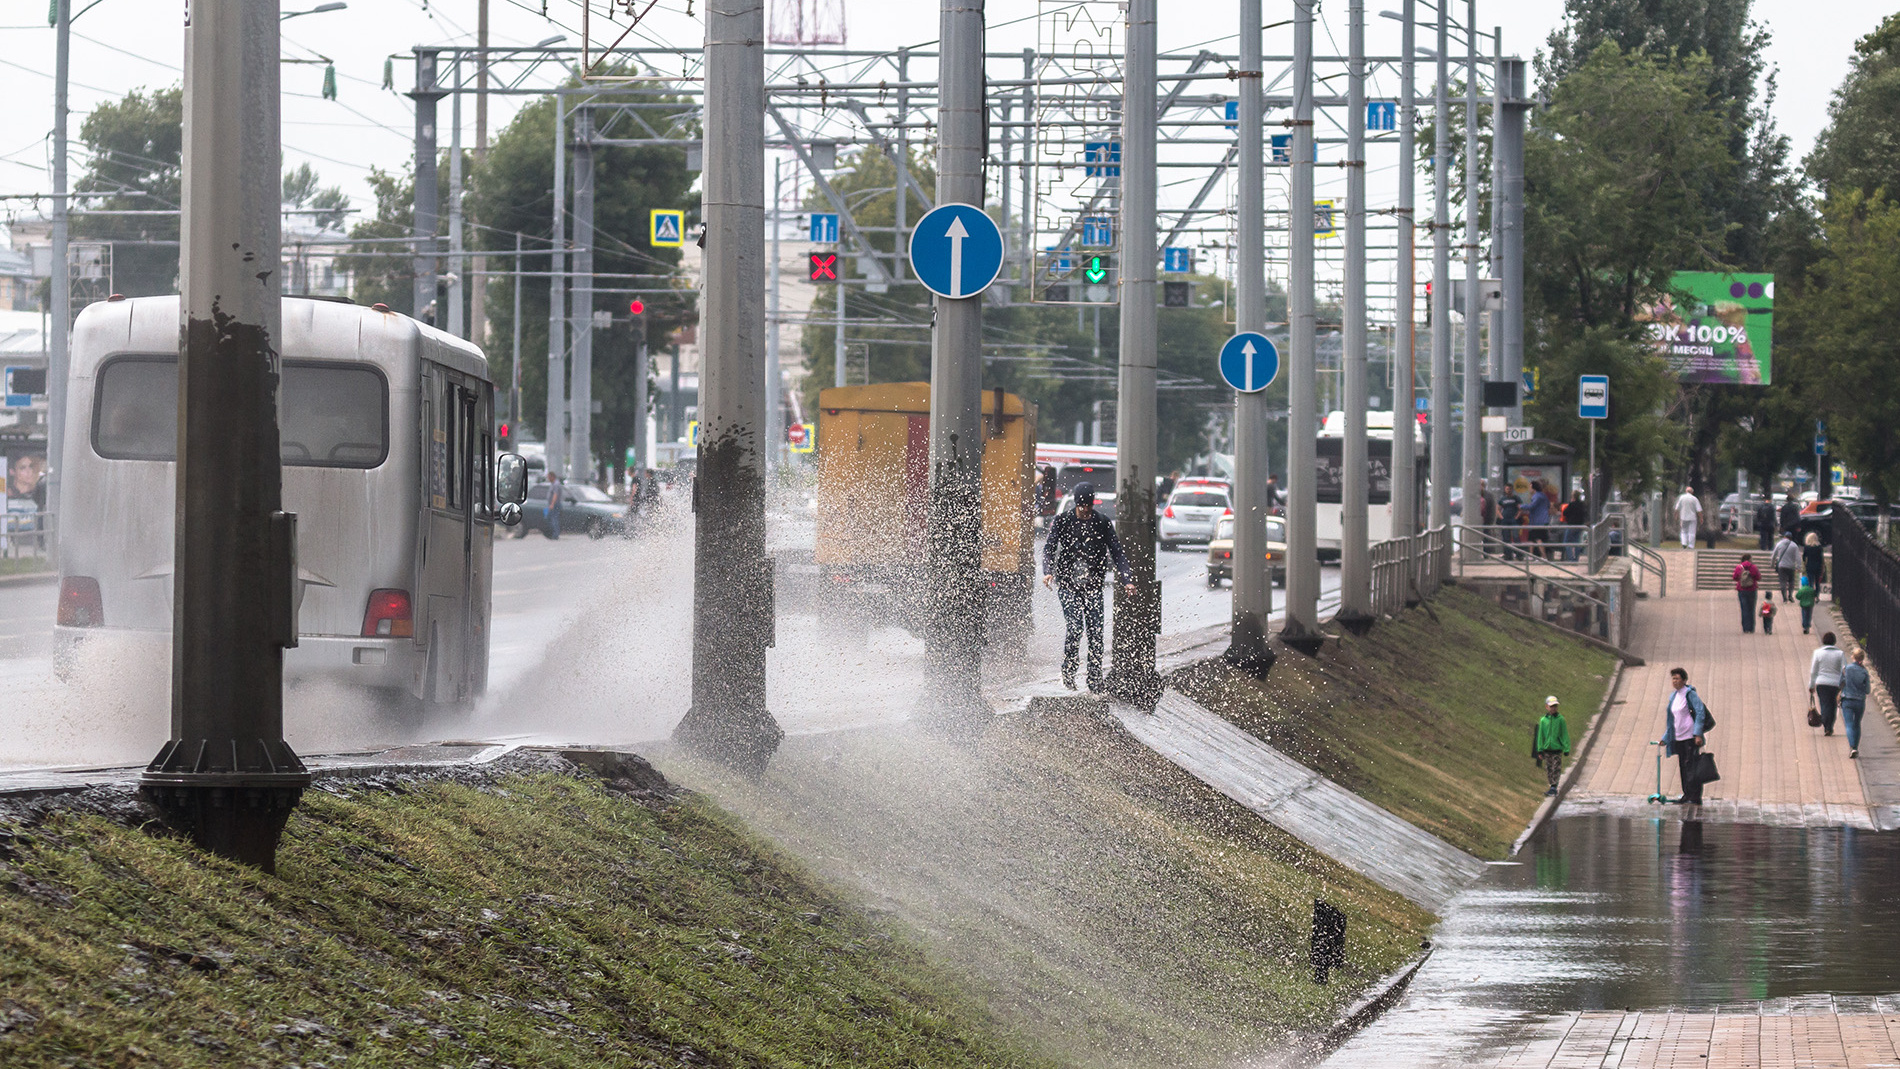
(1806, 597)
(1787, 561)
(1790, 515)
(1275, 497)
(1765, 525)
(1075, 560)
(1686, 724)
(1747, 580)
(1550, 743)
(1824, 681)
(1688, 514)
(1768, 615)
(1814, 559)
(1576, 516)
(1537, 520)
(1855, 683)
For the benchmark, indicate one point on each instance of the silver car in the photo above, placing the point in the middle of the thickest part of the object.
(1191, 515)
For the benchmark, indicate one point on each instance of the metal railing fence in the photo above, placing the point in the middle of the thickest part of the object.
(25, 534)
(1407, 570)
(1866, 588)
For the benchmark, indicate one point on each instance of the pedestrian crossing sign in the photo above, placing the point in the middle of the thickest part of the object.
(692, 433)
(1325, 217)
(668, 228)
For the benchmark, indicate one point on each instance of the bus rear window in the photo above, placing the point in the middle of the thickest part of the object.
(332, 416)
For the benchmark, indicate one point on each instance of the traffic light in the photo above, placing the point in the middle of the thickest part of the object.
(1176, 294)
(504, 438)
(1095, 269)
(1428, 304)
(636, 307)
(824, 266)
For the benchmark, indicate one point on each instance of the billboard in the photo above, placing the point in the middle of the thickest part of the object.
(1716, 328)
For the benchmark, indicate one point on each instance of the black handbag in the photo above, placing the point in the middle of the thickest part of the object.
(1705, 770)
(1814, 717)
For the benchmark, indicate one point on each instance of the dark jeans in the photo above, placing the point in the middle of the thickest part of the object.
(1807, 618)
(1825, 698)
(1851, 708)
(1815, 575)
(1747, 598)
(1787, 583)
(1686, 753)
(1081, 611)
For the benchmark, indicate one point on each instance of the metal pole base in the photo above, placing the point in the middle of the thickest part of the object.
(1139, 685)
(237, 815)
(742, 741)
(1308, 643)
(1357, 622)
(1249, 651)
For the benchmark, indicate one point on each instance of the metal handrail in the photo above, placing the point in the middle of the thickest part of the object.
(1648, 560)
(1512, 557)
(1413, 565)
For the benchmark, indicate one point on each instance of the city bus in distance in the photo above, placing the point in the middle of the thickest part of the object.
(387, 439)
(1328, 525)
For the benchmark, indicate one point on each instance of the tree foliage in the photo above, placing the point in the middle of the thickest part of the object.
(1860, 148)
(135, 150)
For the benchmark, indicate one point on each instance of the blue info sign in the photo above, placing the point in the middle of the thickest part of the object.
(1249, 362)
(1593, 397)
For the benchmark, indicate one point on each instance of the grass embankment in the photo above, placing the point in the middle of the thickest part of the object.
(1429, 718)
(535, 921)
(1106, 903)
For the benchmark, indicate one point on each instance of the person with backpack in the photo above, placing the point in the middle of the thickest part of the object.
(1550, 743)
(1768, 615)
(1786, 561)
(1686, 724)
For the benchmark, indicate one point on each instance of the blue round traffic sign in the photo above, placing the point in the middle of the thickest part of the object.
(956, 250)
(1249, 362)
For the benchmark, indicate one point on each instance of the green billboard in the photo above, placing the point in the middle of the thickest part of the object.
(1713, 327)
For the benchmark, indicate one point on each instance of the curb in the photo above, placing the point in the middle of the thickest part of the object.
(29, 579)
(1582, 751)
(1370, 1007)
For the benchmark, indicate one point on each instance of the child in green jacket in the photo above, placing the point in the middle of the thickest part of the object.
(1550, 743)
(1805, 596)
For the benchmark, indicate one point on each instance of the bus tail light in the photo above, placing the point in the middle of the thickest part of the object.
(387, 615)
(79, 602)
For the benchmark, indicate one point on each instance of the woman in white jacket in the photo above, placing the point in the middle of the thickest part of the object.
(1824, 680)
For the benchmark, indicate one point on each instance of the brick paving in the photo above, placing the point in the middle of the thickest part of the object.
(1755, 684)
(1715, 1041)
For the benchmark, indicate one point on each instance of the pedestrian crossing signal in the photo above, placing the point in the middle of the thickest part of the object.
(1176, 294)
(824, 266)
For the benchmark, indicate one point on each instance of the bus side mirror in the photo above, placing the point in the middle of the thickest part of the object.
(511, 479)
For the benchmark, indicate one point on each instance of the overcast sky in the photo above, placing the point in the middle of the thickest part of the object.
(121, 45)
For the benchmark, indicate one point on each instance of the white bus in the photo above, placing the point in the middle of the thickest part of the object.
(1331, 453)
(388, 453)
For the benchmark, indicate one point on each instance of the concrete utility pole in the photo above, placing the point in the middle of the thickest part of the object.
(774, 383)
(1405, 395)
(428, 208)
(478, 267)
(1509, 149)
(954, 636)
(1301, 628)
(732, 577)
(1473, 444)
(59, 363)
(580, 390)
(1137, 615)
(1248, 649)
(1494, 356)
(514, 371)
(556, 436)
(457, 268)
(642, 432)
(838, 377)
(227, 775)
(1441, 282)
(1355, 552)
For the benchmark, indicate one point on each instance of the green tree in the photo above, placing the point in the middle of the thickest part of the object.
(1842, 326)
(135, 151)
(1614, 206)
(1860, 149)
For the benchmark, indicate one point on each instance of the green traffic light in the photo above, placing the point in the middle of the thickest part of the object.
(1095, 272)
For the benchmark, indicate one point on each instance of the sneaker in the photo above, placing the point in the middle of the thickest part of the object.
(1069, 682)
(1552, 793)
(1851, 754)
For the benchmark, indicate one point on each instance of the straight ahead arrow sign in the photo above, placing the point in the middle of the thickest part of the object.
(956, 234)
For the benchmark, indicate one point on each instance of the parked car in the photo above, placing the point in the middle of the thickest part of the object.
(1220, 551)
(1191, 514)
(584, 510)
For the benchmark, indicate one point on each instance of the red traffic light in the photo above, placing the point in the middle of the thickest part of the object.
(637, 306)
(824, 266)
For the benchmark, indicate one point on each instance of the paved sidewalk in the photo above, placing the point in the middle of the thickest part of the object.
(1775, 768)
(1717, 1041)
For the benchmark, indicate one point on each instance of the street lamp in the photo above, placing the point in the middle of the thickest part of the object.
(555, 40)
(333, 5)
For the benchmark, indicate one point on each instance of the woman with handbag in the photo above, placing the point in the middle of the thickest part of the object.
(1686, 723)
(1824, 683)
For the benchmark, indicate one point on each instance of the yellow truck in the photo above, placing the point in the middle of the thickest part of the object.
(872, 539)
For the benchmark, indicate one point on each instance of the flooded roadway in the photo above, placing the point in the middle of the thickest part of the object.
(1613, 913)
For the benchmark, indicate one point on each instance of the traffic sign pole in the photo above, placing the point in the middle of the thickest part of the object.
(1440, 512)
(939, 257)
(1355, 546)
(1404, 393)
(1247, 649)
(1301, 626)
(1137, 615)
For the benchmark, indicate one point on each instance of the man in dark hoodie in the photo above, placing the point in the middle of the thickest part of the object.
(1075, 560)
